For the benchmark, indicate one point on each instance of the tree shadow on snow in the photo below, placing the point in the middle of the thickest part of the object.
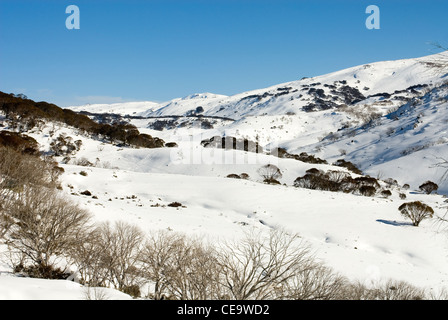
(395, 223)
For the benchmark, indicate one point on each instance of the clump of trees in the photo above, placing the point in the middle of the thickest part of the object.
(349, 165)
(303, 156)
(243, 175)
(170, 265)
(19, 142)
(64, 145)
(22, 111)
(337, 181)
(41, 227)
(36, 222)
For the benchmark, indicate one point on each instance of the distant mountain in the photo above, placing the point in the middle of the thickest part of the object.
(130, 108)
(387, 117)
(391, 81)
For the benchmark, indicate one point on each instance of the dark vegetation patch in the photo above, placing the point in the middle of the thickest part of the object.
(304, 157)
(230, 142)
(339, 181)
(19, 142)
(31, 112)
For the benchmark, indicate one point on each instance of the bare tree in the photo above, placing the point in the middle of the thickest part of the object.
(88, 258)
(416, 211)
(443, 163)
(318, 282)
(193, 274)
(18, 170)
(18, 173)
(180, 267)
(121, 247)
(258, 267)
(42, 226)
(110, 257)
(160, 247)
(270, 173)
(384, 290)
(95, 293)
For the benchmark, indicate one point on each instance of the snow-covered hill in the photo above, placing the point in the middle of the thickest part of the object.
(389, 118)
(356, 113)
(406, 144)
(327, 91)
(126, 108)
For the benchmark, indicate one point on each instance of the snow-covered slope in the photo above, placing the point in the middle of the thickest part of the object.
(407, 144)
(122, 108)
(338, 88)
(389, 118)
(18, 288)
(361, 237)
(199, 103)
(178, 106)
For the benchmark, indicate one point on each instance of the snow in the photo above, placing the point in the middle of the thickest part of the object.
(353, 234)
(123, 108)
(363, 238)
(18, 288)
(378, 77)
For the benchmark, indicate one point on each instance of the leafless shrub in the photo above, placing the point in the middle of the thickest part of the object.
(180, 267)
(95, 293)
(259, 267)
(386, 290)
(110, 256)
(399, 290)
(316, 283)
(121, 246)
(337, 176)
(42, 227)
(18, 170)
(270, 173)
(84, 162)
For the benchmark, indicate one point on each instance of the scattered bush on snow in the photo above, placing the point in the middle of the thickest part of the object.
(428, 187)
(416, 211)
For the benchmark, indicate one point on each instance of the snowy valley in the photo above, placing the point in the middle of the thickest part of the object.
(389, 119)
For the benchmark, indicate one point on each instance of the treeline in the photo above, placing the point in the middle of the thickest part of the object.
(27, 114)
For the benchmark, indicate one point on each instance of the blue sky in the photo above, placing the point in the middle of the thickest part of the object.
(160, 50)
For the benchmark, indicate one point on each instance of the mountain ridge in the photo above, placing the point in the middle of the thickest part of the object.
(369, 79)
